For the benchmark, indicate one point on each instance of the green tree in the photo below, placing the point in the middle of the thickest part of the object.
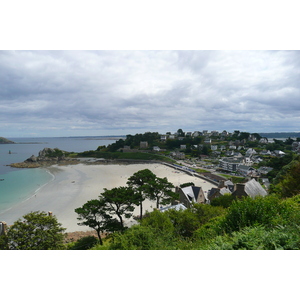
(180, 132)
(205, 150)
(160, 191)
(36, 231)
(243, 135)
(257, 136)
(121, 202)
(139, 182)
(94, 214)
(289, 141)
(116, 145)
(287, 182)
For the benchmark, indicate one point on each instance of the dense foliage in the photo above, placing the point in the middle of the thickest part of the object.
(124, 155)
(35, 231)
(286, 182)
(261, 223)
(258, 238)
(55, 153)
(84, 243)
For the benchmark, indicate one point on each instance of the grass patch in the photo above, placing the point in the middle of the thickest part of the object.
(201, 171)
(126, 155)
(234, 179)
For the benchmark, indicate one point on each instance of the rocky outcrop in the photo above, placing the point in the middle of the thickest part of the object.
(46, 157)
(32, 158)
(48, 154)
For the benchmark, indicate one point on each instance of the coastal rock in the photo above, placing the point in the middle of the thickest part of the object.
(32, 158)
(46, 157)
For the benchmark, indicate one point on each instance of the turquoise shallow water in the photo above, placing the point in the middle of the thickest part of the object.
(20, 184)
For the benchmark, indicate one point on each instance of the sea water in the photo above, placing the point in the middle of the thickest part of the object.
(20, 184)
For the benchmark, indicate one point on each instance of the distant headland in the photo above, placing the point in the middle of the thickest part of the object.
(5, 141)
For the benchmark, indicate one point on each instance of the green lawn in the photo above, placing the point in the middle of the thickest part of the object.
(127, 155)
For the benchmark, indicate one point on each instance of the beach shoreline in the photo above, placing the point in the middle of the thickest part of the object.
(74, 185)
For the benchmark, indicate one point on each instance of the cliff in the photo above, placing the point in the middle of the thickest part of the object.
(5, 141)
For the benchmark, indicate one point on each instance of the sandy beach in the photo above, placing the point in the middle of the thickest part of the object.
(74, 185)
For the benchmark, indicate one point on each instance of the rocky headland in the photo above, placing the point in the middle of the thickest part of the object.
(5, 141)
(46, 157)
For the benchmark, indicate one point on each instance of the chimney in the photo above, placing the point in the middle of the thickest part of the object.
(3, 228)
(221, 184)
(239, 188)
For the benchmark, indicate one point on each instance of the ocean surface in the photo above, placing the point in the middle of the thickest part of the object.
(20, 184)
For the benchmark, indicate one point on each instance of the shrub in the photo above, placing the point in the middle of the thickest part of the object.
(268, 211)
(159, 221)
(3, 242)
(259, 238)
(224, 201)
(136, 238)
(84, 243)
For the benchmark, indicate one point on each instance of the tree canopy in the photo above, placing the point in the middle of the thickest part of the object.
(93, 214)
(160, 191)
(35, 231)
(139, 181)
(120, 202)
(107, 213)
(286, 183)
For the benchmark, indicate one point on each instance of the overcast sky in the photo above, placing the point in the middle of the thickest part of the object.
(70, 93)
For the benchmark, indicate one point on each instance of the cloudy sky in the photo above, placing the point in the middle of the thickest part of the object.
(69, 93)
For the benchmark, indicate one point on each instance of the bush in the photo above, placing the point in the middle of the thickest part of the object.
(223, 201)
(136, 238)
(259, 238)
(84, 243)
(3, 242)
(158, 221)
(267, 211)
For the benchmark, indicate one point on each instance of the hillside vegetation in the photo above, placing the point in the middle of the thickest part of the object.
(267, 223)
(5, 141)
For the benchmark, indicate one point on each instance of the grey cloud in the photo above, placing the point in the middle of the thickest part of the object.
(64, 91)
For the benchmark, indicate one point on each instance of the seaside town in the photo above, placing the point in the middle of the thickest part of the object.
(178, 170)
(227, 154)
